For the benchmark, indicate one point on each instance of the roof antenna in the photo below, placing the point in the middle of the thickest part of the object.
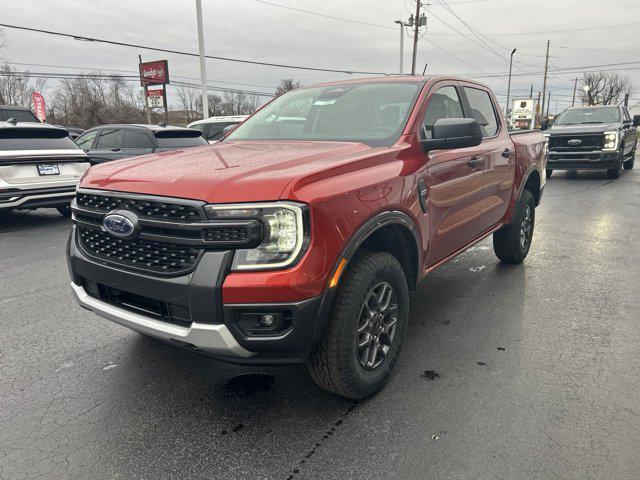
(425, 68)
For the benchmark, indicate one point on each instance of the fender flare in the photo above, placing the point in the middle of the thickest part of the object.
(535, 167)
(375, 223)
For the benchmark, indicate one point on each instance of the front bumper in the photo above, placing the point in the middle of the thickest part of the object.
(205, 324)
(594, 160)
(12, 198)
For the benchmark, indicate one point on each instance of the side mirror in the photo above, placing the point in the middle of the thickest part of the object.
(453, 133)
(636, 120)
(544, 124)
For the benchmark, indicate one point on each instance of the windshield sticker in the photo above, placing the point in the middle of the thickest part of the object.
(324, 102)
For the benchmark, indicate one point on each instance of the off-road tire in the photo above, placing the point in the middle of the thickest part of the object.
(507, 241)
(333, 363)
(549, 172)
(628, 165)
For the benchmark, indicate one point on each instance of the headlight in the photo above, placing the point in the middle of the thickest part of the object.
(546, 135)
(286, 233)
(610, 141)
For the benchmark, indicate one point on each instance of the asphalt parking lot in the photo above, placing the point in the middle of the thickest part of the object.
(525, 372)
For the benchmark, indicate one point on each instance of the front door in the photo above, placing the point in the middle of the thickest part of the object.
(453, 180)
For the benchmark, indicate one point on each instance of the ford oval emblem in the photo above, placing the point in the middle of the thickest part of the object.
(574, 141)
(121, 224)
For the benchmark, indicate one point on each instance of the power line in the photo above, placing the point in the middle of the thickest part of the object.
(453, 56)
(582, 29)
(318, 14)
(100, 69)
(126, 78)
(190, 54)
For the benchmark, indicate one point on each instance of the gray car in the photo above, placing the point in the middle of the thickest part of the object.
(113, 142)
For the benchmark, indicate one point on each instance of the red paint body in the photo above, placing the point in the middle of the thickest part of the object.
(344, 184)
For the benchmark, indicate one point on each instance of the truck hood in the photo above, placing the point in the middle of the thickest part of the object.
(225, 172)
(584, 129)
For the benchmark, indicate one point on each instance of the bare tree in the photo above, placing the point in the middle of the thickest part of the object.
(604, 88)
(188, 100)
(16, 87)
(287, 84)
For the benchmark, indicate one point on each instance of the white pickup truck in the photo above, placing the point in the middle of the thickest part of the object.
(40, 166)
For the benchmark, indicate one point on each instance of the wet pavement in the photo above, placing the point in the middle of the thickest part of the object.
(508, 372)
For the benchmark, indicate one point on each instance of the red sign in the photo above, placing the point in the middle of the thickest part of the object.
(38, 106)
(155, 98)
(154, 73)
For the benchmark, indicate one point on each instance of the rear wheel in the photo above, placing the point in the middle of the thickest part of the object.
(359, 349)
(512, 242)
(549, 172)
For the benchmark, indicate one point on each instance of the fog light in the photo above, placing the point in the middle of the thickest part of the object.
(267, 320)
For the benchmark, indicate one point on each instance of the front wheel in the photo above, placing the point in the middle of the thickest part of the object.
(361, 344)
(512, 242)
(628, 165)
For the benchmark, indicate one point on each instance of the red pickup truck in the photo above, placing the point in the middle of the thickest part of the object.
(298, 238)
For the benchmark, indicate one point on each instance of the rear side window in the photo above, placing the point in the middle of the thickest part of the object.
(110, 138)
(35, 139)
(445, 103)
(180, 139)
(482, 110)
(137, 139)
(20, 115)
(86, 140)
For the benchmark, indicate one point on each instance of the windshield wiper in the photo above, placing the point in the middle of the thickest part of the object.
(587, 123)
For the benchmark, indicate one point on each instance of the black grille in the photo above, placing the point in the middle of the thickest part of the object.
(225, 234)
(164, 258)
(168, 312)
(152, 209)
(588, 142)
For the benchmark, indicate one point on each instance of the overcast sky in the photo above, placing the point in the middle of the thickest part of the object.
(254, 30)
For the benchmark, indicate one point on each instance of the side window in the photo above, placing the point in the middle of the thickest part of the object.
(137, 139)
(110, 138)
(482, 110)
(445, 103)
(85, 141)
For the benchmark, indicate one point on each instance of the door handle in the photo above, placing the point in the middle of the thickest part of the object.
(474, 162)
(114, 149)
(507, 153)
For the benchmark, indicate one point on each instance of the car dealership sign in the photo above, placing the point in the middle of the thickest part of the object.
(38, 106)
(155, 98)
(154, 73)
(523, 113)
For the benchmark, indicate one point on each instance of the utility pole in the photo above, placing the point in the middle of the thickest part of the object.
(575, 86)
(548, 103)
(203, 63)
(531, 92)
(626, 100)
(401, 23)
(146, 98)
(415, 37)
(537, 117)
(506, 109)
(544, 84)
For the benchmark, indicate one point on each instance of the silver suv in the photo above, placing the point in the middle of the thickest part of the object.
(40, 166)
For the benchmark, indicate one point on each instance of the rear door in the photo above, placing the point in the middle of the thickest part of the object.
(109, 146)
(498, 159)
(137, 142)
(630, 132)
(453, 180)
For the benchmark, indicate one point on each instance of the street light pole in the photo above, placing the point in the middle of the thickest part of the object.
(203, 64)
(401, 23)
(506, 110)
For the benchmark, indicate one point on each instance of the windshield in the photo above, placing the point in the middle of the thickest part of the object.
(371, 113)
(579, 116)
